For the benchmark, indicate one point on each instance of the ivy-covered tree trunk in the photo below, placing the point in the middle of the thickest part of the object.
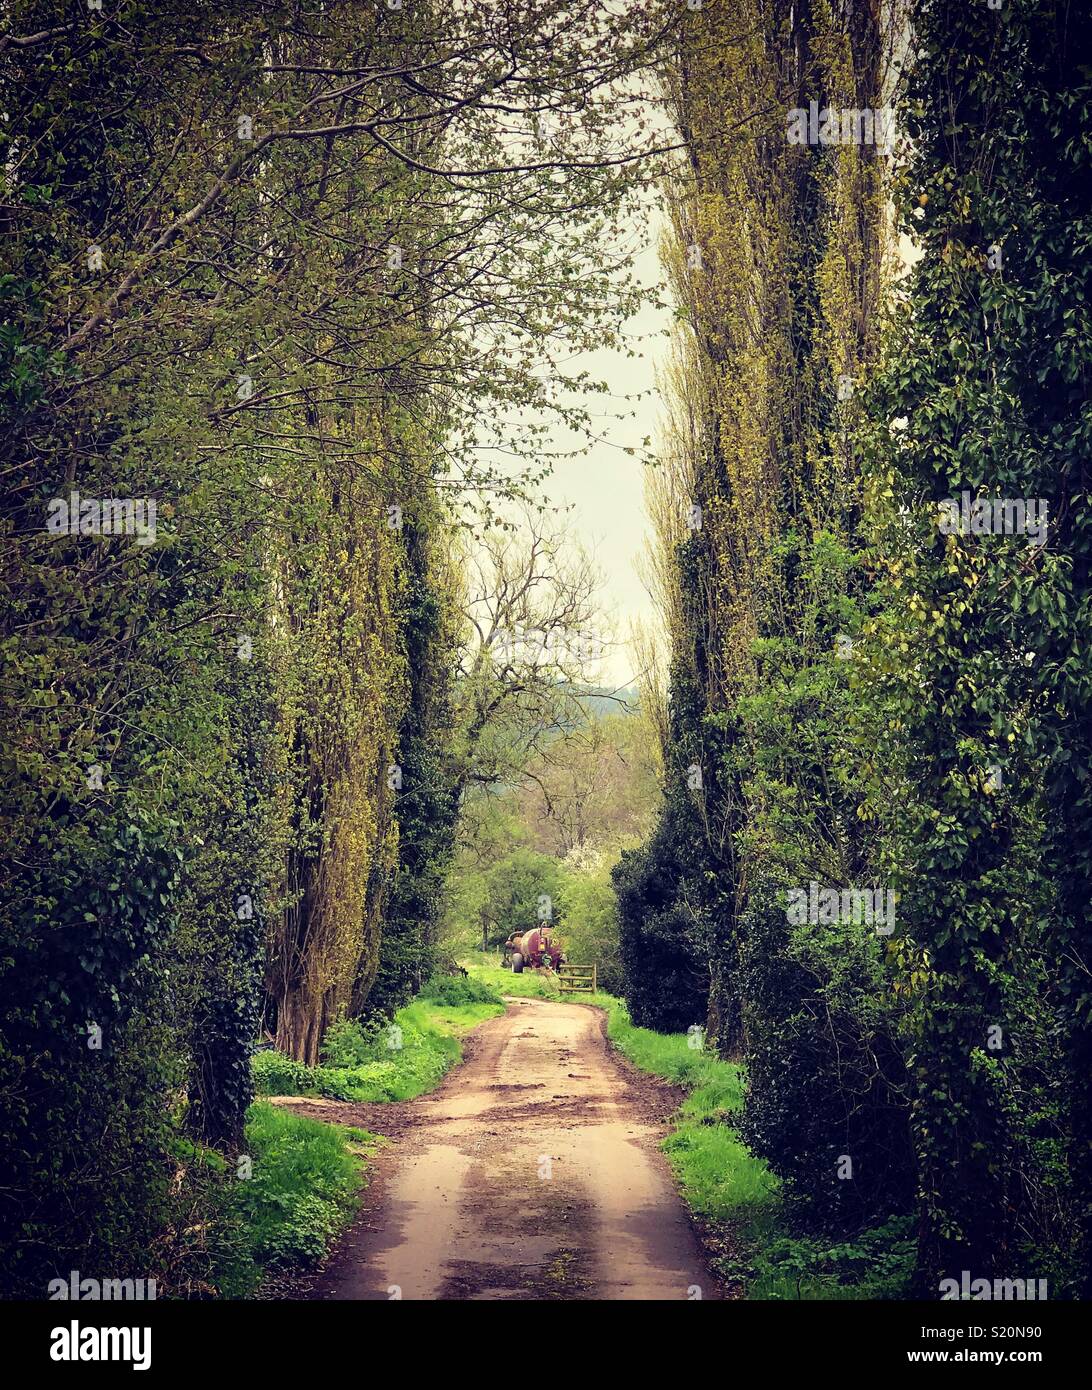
(984, 399)
(425, 802)
(231, 891)
(777, 266)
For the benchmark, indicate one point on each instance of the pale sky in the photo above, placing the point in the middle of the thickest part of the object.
(606, 486)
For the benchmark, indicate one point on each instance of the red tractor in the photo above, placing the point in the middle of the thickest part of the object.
(532, 950)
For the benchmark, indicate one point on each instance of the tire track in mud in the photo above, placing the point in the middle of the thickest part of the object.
(532, 1172)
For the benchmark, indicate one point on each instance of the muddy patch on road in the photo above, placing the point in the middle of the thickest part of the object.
(497, 1187)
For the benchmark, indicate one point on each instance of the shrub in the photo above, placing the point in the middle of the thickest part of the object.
(455, 990)
(825, 1076)
(590, 909)
(278, 1075)
(875, 1264)
(665, 984)
(352, 1042)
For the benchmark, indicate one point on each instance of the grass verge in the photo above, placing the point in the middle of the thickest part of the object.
(386, 1061)
(302, 1190)
(306, 1175)
(487, 968)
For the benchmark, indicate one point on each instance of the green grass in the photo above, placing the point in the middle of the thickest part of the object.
(302, 1190)
(486, 967)
(387, 1062)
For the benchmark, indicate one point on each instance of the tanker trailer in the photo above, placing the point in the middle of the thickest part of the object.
(533, 949)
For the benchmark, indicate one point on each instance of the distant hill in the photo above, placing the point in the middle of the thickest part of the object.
(608, 701)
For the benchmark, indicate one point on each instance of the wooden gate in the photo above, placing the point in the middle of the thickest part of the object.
(577, 979)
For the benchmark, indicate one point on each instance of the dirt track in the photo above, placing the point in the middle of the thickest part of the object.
(532, 1172)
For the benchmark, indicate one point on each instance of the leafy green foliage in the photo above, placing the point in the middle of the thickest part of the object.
(589, 912)
(199, 733)
(382, 1061)
(661, 967)
(301, 1193)
(975, 679)
(942, 752)
(514, 888)
(826, 1077)
(457, 990)
(427, 802)
(878, 1263)
(276, 1074)
(762, 789)
(665, 889)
